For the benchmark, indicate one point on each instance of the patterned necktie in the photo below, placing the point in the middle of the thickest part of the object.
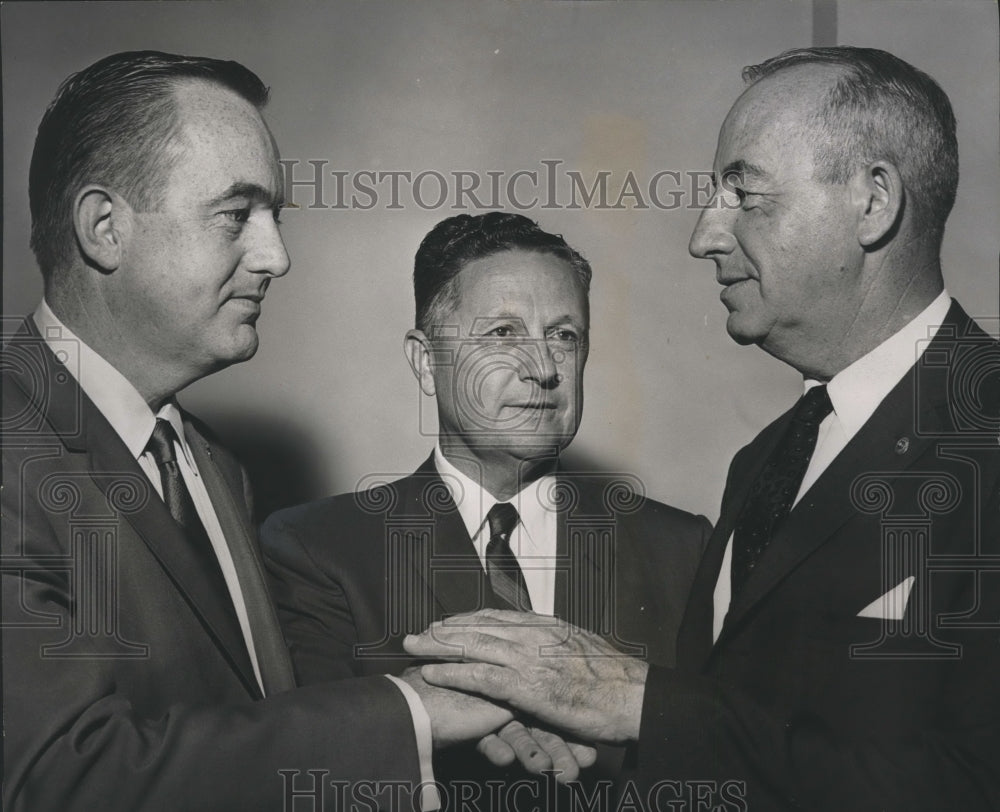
(506, 577)
(771, 497)
(181, 506)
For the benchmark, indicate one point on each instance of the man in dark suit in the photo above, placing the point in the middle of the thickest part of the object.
(501, 344)
(143, 665)
(840, 648)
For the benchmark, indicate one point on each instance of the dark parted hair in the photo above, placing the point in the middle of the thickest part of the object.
(459, 240)
(882, 108)
(112, 124)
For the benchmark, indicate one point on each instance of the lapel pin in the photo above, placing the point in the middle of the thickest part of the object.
(902, 445)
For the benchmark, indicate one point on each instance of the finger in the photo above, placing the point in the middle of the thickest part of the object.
(477, 678)
(428, 646)
(503, 623)
(464, 644)
(584, 754)
(563, 761)
(496, 750)
(532, 755)
(498, 637)
(493, 617)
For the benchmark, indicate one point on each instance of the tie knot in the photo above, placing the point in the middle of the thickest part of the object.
(502, 518)
(814, 406)
(161, 442)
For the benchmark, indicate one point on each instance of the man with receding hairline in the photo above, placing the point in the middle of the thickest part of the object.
(143, 665)
(839, 650)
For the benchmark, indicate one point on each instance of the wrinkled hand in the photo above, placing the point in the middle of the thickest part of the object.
(455, 716)
(558, 673)
(537, 750)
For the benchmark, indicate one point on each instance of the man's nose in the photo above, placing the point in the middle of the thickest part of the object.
(713, 232)
(543, 365)
(267, 254)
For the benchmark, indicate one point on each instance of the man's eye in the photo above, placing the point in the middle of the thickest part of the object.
(237, 215)
(566, 335)
(502, 331)
(745, 199)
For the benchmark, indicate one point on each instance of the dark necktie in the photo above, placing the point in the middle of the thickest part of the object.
(506, 577)
(772, 495)
(181, 506)
(272, 658)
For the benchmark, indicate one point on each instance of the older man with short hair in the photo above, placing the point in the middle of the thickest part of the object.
(839, 650)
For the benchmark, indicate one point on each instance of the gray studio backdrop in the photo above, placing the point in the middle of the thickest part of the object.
(451, 92)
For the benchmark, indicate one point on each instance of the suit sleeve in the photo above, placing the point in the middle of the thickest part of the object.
(76, 739)
(318, 624)
(695, 727)
(313, 609)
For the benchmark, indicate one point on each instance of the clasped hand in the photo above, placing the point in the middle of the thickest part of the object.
(457, 717)
(561, 675)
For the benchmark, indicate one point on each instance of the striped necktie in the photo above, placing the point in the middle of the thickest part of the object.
(506, 577)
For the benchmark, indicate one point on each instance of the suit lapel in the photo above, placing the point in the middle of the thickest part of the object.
(443, 552)
(453, 572)
(694, 639)
(165, 539)
(584, 558)
(221, 484)
(828, 504)
(83, 430)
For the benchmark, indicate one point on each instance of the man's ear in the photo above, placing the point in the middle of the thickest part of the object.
(97, 219)
(878, 191)
(420, 354)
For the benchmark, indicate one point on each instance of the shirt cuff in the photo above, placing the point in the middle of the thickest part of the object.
(430, 798)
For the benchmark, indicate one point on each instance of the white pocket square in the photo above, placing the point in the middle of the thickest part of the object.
(891, 605)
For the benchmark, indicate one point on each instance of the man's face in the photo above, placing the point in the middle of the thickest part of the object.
(509, 384)
(188, 292)
(784, 245)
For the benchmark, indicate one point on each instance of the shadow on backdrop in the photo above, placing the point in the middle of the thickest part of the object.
(282, 459)
(580, 462)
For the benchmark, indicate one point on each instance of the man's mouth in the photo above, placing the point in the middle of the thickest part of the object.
(726, 280)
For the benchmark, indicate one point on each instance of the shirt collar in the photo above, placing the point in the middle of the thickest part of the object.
(120, 402)
(857, 390)
(474, 502)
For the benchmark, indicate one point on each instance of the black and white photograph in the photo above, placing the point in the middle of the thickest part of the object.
(487, 405)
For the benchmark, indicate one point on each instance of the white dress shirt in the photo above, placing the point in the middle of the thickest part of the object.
(132, 419)
(855, 392)
(533, 540)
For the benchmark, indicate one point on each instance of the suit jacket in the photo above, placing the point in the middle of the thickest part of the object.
(801, 702)
(126, 680)
(353, 574)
